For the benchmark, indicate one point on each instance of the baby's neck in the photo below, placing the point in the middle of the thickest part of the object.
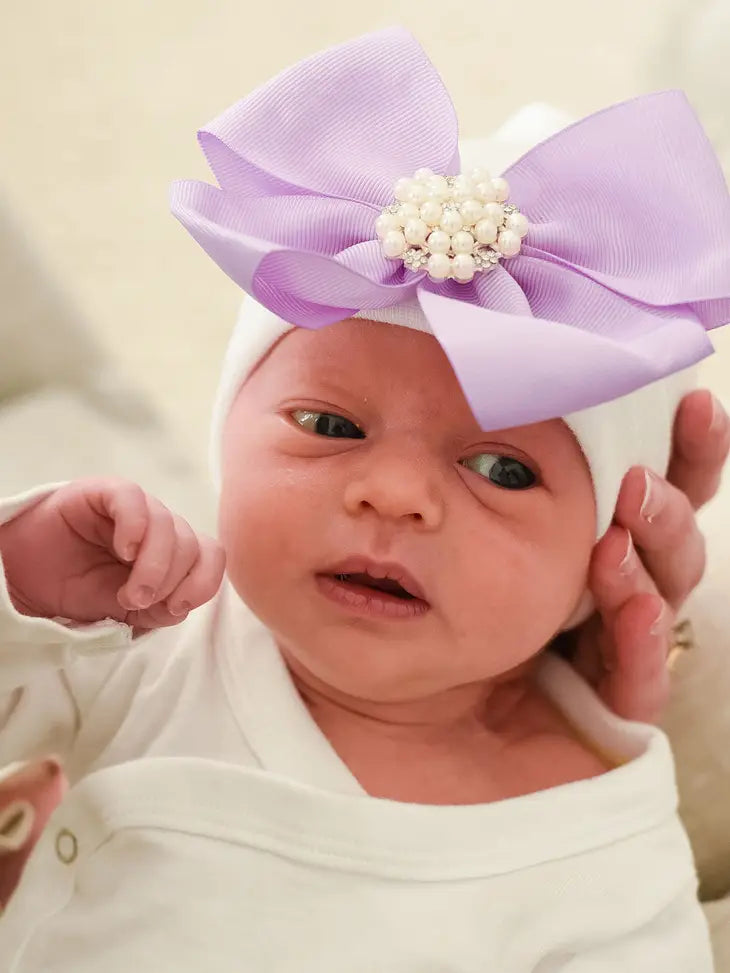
(439, 719)
(481, 744)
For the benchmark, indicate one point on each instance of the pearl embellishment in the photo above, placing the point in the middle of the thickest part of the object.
(452, 227)
(394, 244)
(416, 232)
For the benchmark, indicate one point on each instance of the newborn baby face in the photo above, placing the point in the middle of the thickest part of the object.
(393, 547)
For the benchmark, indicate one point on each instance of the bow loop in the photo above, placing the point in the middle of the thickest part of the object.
(635, 198)
(616, 235)
(346, 122)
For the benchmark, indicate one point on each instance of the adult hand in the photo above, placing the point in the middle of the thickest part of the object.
(648, 562)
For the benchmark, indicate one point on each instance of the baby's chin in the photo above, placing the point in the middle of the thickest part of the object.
(379, 670)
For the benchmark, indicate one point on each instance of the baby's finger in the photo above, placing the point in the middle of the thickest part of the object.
(663, 525)
(701, 446)
(148, 619)
(185, 555)
(153, 560)
(126, 504)
(636, 686)
(107, 511)
(203, 580)
(197, 587)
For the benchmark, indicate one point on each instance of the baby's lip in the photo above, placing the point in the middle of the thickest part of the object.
(360, 564)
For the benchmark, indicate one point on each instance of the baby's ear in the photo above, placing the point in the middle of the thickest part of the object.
(583, 610)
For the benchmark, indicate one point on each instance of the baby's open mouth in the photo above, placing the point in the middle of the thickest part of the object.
(385, 590)
(386, 585)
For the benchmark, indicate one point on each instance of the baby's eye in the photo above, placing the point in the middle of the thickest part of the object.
(327, 424)
(504, 471)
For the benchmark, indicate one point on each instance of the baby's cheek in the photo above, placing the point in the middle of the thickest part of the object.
(518, 598)
(242, 534)
(260, 528)
(559, 582)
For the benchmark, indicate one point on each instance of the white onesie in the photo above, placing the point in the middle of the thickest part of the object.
(212, 827)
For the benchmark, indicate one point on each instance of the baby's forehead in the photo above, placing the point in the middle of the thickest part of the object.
(363, 350)
(384, 364)
(390, 364)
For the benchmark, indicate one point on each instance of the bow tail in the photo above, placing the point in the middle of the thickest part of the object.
(712, 314)
(518, 369)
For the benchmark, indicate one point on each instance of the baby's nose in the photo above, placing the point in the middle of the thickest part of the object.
(396, 491)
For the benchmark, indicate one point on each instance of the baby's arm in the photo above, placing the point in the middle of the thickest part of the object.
(70, 597)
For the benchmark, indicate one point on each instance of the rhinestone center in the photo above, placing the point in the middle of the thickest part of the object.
(453, 227)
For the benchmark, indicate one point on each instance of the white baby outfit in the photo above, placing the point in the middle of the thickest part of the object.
(212, 827)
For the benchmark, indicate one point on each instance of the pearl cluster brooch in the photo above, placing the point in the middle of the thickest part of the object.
(451, 226)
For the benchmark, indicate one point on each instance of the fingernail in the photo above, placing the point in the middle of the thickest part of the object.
(628, 563)
(657, 626)
(653, 501)
(144, 596)
(182, 609)
(717, 421)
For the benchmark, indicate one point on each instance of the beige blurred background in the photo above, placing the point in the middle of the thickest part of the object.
(101, 101)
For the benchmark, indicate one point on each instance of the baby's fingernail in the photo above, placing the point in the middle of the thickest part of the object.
(653, 500)
(182, 609)
(143, 596)
(130, 552)
(628, 562)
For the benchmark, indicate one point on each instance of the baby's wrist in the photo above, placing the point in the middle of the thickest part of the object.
(22, 604)
(12, 546)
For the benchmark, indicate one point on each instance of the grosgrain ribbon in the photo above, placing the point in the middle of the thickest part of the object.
(626, 266)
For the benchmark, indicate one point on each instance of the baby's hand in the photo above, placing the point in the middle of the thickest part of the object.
(103, 548)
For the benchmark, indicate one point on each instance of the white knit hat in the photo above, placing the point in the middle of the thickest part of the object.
(635, 429)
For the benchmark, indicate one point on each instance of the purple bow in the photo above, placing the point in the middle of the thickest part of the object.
(625, 267)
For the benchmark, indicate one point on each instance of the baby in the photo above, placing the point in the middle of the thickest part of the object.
(357, 755)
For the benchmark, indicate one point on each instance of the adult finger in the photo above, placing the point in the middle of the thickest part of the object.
(701, 445)
(616, 574)
(636, 686)
(662, 522)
